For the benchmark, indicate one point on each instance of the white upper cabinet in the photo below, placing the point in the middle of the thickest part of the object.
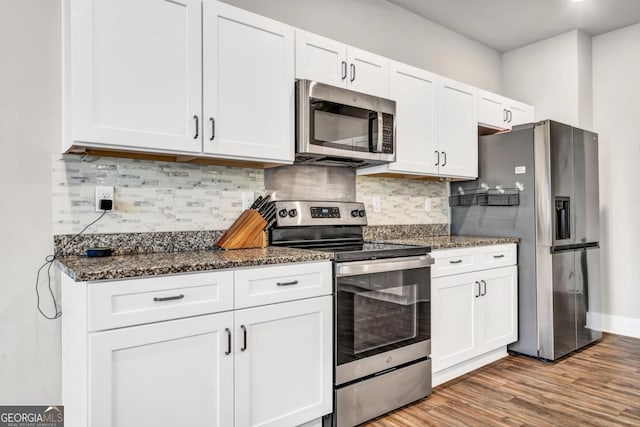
(436, 125)
(457, 129)
(519, 113)
(328, 61)
(414, 91)
(321, 59)
(248, 85)
(368, 73)
(500, 113)
(133, 74)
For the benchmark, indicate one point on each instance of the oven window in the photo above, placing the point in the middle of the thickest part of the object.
(341, 126)
(382, 311)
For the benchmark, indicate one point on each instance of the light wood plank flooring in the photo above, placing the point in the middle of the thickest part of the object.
(598, 386)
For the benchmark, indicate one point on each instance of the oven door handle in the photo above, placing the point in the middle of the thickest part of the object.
(382, 265)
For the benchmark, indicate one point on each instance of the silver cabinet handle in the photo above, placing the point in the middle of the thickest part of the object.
(228, 331)
(294, 282)
(173, 298)
(244, 335)
(444, 162)
(213, 128)
(505, 116)
(510, 115)
(477, 294)
(344, 70)
(437, 157)
(197, 127)
(498, 256)
(353, 72)
(458, 261)
(483, 293)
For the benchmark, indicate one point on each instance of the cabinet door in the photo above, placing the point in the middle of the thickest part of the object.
(367, 73)
(135, 74)
(453, 325)
(169, 374)
(248, 85)
(458, 129)
(284, 366)
(498, 308)
(519, 113)
(492, 111)
(320, 59)
(414, 91)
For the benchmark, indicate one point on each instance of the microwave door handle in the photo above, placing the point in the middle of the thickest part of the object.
(380, 135)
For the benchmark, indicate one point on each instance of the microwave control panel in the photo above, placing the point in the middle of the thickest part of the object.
(387, 133)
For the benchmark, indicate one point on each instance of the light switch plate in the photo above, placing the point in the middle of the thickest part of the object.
(247, 199)
(427, 204)
(375, 201)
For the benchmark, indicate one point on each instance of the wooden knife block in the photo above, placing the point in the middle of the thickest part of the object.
(246, 232)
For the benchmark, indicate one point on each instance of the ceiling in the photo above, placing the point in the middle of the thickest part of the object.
(508, 24)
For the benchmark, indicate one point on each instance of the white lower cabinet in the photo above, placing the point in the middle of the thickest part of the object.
(163, 374)
(283, 364)
(474, 313)
(267, 365)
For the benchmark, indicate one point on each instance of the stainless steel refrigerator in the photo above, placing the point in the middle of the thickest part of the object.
(552, 170)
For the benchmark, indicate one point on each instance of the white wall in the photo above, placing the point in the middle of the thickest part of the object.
(616, 95)
(386, 29)
(554, 76)
(29, 133)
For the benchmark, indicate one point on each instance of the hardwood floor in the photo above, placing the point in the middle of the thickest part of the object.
(598, 386)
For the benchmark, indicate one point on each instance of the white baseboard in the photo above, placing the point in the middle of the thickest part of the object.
(455, 371)
(619, 325)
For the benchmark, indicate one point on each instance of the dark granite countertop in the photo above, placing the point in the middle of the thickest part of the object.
(83, 269)
(449, 242)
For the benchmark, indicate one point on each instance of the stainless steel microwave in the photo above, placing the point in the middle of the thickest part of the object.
(337, 126)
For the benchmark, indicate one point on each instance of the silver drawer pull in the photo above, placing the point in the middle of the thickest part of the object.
(458, 261)
(498, 256)
(295, 282)
(175, 297)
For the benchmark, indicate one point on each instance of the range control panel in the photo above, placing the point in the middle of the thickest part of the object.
(304, 213)
(325, 212)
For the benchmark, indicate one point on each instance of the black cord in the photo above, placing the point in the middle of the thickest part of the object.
(49, 259)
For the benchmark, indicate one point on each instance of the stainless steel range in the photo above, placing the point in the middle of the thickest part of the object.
(382, 308)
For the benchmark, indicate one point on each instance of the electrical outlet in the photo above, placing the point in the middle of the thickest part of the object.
(427, 204)
(104, 193)
(247, 199)
(376, 204)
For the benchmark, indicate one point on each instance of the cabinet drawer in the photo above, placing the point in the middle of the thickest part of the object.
(497, 256)
(267, 285)
(465, 260)
(152, 299)
(452, 261)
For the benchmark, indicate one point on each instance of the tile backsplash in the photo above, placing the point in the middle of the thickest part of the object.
(402, 201)
(156, 196)
(149, 195)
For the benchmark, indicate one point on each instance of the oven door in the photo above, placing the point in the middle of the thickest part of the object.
(383, 315)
